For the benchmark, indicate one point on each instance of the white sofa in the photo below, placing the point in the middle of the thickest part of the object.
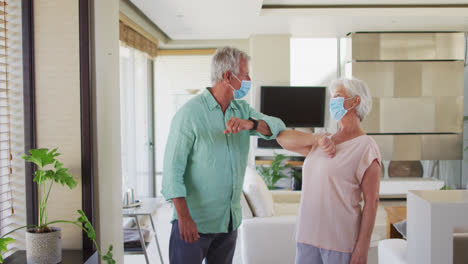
(267, 232)
(271, 239)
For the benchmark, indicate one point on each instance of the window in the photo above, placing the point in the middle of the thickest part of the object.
(136, 122)
(12, 192)
(177, 80)
(313, 61)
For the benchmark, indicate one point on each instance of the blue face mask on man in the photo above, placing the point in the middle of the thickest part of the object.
(337, 109)
(243, 90)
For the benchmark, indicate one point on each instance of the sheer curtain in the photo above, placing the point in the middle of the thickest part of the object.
(136, 122)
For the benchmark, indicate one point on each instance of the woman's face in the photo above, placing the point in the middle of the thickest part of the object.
(341, 92)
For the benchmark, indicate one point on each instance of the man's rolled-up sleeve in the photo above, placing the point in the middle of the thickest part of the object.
(178, 148)
(276, 125)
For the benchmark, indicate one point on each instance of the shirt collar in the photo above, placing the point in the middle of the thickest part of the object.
(211, 102)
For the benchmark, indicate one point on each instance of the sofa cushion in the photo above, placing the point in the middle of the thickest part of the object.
(246, 211)
(257, 194)
(286, 209)
(401, 228)
(286, 196)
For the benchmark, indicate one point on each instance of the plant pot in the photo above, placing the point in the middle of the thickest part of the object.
(44, 248)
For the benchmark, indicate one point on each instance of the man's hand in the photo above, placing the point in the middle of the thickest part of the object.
(188, 230)
(328, 146)
(236, 125)
(187, 227)
(359, 257)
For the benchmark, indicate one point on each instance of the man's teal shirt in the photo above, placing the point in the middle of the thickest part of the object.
(206, 166)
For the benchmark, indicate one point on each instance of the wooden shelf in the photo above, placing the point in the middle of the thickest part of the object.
(68, 256)
(295, 163)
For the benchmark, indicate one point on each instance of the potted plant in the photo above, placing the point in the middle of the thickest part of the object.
(276, 171)
(43, 241)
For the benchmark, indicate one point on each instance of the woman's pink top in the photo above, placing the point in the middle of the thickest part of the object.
(330, 210)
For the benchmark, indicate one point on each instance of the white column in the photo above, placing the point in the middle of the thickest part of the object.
(106, 107)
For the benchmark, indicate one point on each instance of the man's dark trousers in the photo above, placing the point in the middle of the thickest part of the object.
(216, 248)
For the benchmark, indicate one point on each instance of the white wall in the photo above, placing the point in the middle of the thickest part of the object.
(106, 107)
(56, 39)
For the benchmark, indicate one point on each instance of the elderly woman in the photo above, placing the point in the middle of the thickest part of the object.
(332, 227)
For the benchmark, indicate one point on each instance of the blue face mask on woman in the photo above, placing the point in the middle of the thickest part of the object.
(337, 109)
(243, 90)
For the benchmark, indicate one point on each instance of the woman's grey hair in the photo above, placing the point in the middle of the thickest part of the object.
(355, 87)
(226, 59)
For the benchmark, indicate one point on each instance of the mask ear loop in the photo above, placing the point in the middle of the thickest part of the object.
(232, 87)
(236, 77)
(351, 107)
(233, 75)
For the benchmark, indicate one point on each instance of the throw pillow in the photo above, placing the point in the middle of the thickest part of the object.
(259, 197)
(401, 228)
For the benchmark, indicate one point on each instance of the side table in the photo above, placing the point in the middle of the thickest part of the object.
(147, 208)
(395, 214)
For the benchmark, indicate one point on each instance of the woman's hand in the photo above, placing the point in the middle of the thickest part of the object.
(328, 146)
(359, 256)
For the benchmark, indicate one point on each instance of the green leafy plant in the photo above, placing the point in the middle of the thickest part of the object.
(45, 177)
(3, 245)
(445, 187)
(276, 171)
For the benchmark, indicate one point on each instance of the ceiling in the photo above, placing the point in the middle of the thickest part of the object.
(239, 19)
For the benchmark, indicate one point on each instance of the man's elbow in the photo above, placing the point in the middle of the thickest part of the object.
(173, 189)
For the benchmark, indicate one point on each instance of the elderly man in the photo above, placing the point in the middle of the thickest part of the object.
(205, 161)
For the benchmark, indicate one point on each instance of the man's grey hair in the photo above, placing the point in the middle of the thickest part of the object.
(226, 59)
(355, 87)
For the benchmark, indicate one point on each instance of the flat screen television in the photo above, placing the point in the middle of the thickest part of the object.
(297, 106)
